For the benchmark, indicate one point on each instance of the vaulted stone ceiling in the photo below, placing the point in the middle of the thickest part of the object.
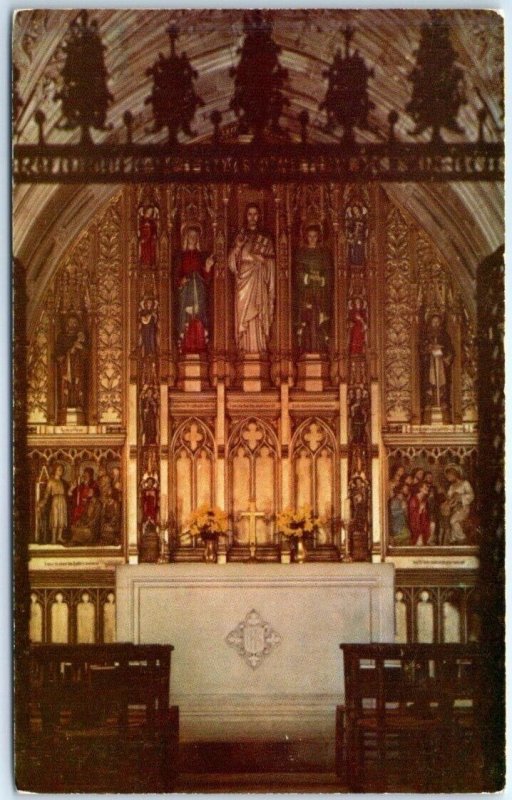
(465, 220)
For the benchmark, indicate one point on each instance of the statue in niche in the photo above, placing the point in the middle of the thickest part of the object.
(358, 412)
(148, 324)
(149, 414)
(53, 509)
(71, 354)
(358, 321)
(193, 272)
(436, 359)
(253, 262)
(358, 493)
(148, 235)
(356, 232)
(149, 499)
(313, 281)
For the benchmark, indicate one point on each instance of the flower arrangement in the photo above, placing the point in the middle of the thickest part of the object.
(207, 522)
(298, 523)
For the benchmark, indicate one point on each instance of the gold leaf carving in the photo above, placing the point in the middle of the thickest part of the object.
(398, 320)
(109, 317)
(37, 373)
(469, 372)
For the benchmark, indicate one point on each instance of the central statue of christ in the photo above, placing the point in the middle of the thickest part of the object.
(252, 259)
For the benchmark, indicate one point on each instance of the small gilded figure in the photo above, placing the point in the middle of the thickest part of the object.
(358, 321)
(148, 325)
(148, 235)
(356, 231)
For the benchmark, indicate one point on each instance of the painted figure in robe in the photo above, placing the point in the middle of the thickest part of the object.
(457, 506)
(419, 520)
(313, 293)
(398, 514)
(252, 260)
(82, 494)
(87, 530)
(193, 272)
(53, 507)
(110, 517)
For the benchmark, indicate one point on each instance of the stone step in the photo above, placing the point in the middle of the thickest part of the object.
(307, 782)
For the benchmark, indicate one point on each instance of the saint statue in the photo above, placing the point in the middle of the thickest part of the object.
(148, 235)
(193, 276)
(313, 270)
(149, 499)
(358, 321)
(436, 355)
(252, 260)
(148, 325)
(356, 231)
(149, 413)
(72, 358)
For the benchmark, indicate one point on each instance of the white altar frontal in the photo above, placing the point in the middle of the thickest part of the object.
(256, 645)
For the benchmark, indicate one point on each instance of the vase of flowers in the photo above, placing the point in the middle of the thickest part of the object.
(209, 523)
(297, 525)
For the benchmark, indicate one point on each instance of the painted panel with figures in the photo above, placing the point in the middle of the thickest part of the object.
(76, 499)
(431, 499)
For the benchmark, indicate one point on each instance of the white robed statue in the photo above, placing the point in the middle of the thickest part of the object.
(252, 259)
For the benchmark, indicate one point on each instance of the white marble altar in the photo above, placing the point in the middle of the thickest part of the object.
(232, 677)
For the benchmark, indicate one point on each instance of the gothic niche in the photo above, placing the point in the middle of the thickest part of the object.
(431, 497)
(253, 483)
(76, 499)
(436, 355)
(72, 360)
(315, 475)
(193, 485)
(72, 337)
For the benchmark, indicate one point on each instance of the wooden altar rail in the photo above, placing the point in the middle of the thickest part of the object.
(99, 720)
(413, 719)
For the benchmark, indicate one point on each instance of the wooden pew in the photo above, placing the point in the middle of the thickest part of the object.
(412, 719)
(100, 720)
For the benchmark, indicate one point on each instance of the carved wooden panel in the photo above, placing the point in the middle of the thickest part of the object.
(109, 316)
(398, 320)
(37, 372)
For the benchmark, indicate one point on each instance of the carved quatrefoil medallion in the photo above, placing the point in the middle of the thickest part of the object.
(253, 639)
